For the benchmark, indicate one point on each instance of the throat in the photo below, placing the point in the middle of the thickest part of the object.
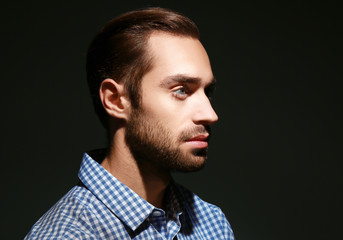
(146, 180)
(153, 187)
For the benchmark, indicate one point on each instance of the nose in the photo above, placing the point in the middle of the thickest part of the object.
(204, 113)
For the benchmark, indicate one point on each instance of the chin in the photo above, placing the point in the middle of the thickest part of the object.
(193, 163)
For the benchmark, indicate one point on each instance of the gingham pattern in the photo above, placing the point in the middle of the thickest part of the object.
(101, 207)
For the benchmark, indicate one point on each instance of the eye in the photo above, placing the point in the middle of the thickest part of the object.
(209, 92)
(180, 92)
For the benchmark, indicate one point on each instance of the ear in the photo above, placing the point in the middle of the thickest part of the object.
(114, 99)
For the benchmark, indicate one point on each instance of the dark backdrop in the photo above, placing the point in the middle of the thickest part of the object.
(275, 165)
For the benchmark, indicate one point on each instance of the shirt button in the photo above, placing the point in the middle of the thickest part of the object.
(156, 213)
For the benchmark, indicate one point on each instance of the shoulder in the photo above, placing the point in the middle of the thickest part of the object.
(206, 216)
(68, 218)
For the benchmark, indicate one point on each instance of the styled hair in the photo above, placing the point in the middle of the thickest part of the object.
(119, 51)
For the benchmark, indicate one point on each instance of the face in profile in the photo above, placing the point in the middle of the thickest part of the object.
(170, 129)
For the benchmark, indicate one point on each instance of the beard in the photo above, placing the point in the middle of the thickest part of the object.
(151, 143)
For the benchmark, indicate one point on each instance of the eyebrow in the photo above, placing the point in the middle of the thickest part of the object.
(182, 79)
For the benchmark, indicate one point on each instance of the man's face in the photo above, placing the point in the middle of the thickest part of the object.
(171, 127)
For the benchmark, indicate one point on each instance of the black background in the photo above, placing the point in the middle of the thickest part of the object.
(275, 165)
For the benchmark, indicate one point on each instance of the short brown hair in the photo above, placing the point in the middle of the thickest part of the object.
(119, 50)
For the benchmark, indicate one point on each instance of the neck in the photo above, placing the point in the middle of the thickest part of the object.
(145, 179)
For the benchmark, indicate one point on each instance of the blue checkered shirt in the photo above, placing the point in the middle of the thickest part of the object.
(101, 207)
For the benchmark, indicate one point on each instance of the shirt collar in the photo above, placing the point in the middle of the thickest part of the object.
(174, 201)
(128, 206)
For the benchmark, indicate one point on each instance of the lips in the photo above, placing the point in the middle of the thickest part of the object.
(202, 137)
(199, 141)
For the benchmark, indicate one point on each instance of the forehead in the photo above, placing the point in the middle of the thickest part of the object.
(178, 55)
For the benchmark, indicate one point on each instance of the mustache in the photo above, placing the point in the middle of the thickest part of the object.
(192, 132)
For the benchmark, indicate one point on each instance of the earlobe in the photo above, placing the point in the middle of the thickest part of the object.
(114, 99)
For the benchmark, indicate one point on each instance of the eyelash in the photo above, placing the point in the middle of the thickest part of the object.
(187, 92)
(209, 92)
(179, 95)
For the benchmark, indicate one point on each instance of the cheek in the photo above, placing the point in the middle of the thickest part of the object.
(160, 106)
(173, 114)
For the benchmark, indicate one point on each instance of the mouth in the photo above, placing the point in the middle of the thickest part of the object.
(199, 141)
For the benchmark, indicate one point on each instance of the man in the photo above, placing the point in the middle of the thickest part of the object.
(150, 79)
